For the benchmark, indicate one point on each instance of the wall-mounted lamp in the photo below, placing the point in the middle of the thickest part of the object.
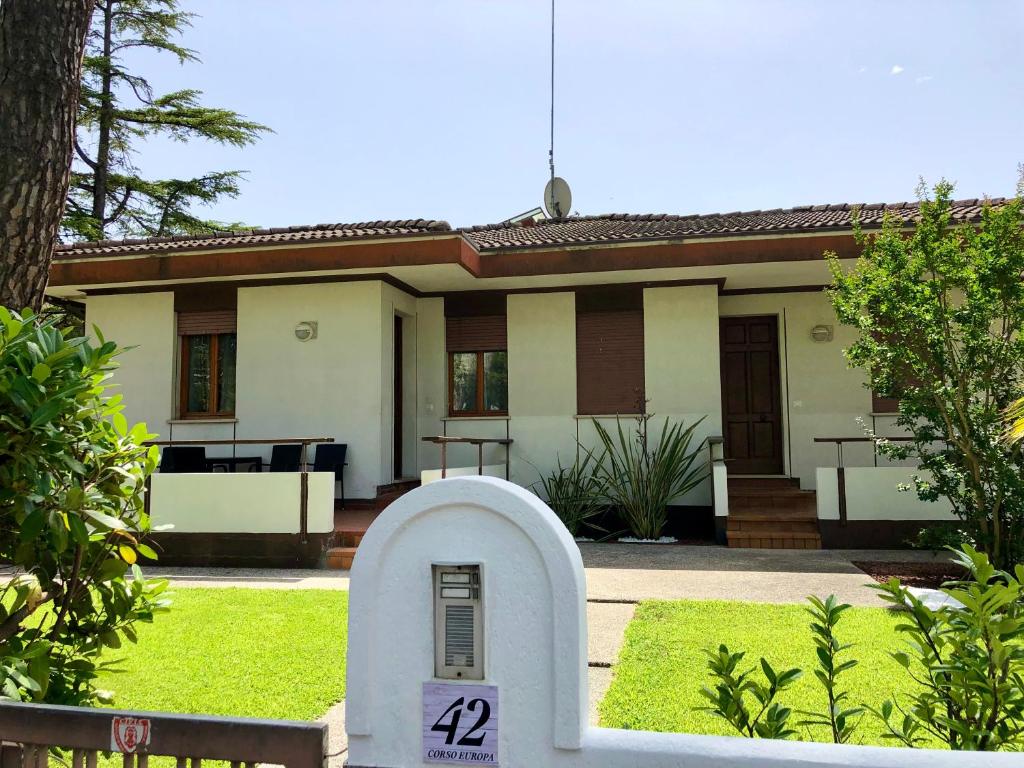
(306, 330)
(821, 333)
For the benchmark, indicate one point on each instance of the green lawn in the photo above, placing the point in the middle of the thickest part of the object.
(662, 668)
(247, 652)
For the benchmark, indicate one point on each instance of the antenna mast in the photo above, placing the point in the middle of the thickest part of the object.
(551, 149)
(557, 196)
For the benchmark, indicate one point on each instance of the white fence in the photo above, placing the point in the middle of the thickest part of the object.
(524, 631)
(489, 470)
(242, 502)
(873, 493)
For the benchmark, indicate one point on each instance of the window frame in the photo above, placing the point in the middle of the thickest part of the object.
(183, 378)
(480, 410)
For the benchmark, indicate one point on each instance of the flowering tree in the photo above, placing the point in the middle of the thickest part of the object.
(940, 312)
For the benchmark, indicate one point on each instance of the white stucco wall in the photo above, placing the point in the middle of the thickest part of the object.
(542, 382)
(872, 493)
(241, 502)
(821, 396)
(338, 385)
(328, 387)
(145, 322)
(681, 370)
(431, 379)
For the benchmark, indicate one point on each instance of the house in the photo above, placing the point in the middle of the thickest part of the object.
(381, 334)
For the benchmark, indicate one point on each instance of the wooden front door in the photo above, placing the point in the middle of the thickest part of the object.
(751, 406)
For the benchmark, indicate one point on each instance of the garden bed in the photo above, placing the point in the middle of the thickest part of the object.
(912, 574)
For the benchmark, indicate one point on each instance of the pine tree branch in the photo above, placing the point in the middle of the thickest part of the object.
(85, 158)
(220, 125)
(119, 208)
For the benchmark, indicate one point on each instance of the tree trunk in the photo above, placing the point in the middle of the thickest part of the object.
(41, 47)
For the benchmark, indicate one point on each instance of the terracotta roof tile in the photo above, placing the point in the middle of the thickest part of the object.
(553, 233)
(255, 237)
(619, 227)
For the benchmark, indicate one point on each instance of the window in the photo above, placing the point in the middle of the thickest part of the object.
(609, 352)
(208, 344)
(882, 404)
(479, 383)
(477, 365)
(891, 404)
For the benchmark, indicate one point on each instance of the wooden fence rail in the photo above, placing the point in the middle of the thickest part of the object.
(28, 731)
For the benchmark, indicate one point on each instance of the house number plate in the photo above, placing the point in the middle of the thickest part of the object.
(460, 724)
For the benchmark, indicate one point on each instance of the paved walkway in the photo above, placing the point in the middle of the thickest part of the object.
(644, 571)
(633, 572)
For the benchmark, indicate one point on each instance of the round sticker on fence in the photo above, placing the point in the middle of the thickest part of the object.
(460, 724)
(128, 734)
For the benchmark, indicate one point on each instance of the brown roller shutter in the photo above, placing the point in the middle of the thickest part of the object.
(610, 362)
(881, 404)
(484, 333)
(207, 323)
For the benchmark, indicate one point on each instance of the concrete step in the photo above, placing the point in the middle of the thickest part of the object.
(773, 505)
(771, 527)
(775, 483)
(749, 540)
(348, 538)
(774, 515)
(340, 558)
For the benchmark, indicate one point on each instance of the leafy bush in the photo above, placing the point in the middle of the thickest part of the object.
(72, 520)
(767, 719)
(969, 661)
(575, 493)
(641, 478)
(840, 718)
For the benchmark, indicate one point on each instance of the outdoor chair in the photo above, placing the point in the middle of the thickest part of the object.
(330, 457)
(183, 458)
(285, 458)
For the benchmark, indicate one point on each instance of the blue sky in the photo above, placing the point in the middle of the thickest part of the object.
(439, 108)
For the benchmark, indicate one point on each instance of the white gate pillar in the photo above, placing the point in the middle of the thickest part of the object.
(534, 619)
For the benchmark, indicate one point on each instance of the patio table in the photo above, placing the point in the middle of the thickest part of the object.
(232, 462)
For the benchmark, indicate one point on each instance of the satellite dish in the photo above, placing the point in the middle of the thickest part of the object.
(557, 198)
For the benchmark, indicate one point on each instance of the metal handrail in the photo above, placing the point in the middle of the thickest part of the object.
(860, 439)
(246, 441)
(841, 470)
(35, 728)
(444, 441)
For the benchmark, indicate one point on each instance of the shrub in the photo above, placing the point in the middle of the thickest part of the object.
(840, 718)
(642, 477)
(767, 719)
(72, 477)
(575, 493)
(969, 661)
